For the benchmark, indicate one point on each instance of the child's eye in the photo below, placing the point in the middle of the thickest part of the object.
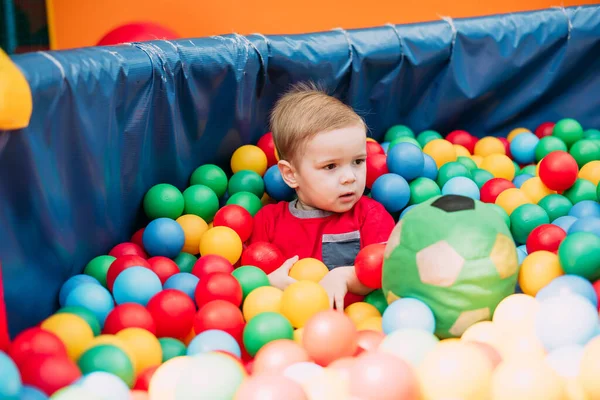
(329, 166)
(359, 161)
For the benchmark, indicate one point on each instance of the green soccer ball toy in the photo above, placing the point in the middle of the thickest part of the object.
(456, 255)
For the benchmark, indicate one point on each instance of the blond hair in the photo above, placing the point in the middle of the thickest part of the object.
(304, 111)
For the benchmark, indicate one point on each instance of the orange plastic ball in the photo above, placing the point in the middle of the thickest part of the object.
(538, 270)
(222, 241)
(309, 269)
(590, 172)
(360, 311)
(442, 151)
(193, 228)
(499, 165)
(535, 189)
(512, 198)
(489, 145)
(249, 157)
(461, 151)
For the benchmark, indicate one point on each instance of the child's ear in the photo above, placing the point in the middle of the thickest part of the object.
(288, 173)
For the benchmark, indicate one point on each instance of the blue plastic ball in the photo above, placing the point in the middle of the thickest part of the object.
(522, 147)
(406, 160)
(212, 340)
(392, 191)
(276, 187)
(10, 378)
(407, 313)
(71, 284)
(584, 209)
(564, 222)
(95, 298)
(520, 179)
(565, 320)
(163, 237)
(463, 186)
(521, 254)
(31, 393)
(105, 385)
(587, 224)
(385, 146)
(184, 282)
(430, 169)
(136, 285)
(569, 284)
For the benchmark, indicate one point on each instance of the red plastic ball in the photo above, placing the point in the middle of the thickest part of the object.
(137, 32)
(127, 249)
(558, 170)
(173, 312)
(596, 286)
(267, 145)
(129, 315)
(220, 314)
(545, 237)
(236, 218)
(376, 166)
(462, 138)
(120, 265)
(137, 237)
(374, 148)
(369, 265)
(506, 144)
(211, 263)
(143, 379)
(218, 286)
(163, 267)
(544, 129)
(35, 341)
(492, 188)
(263, 255)
(49, 373)
(352, 298)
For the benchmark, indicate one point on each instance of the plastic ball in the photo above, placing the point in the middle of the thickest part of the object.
(136, 285)
(129, 315)
(585, 151)
(72, 283)
(301, 300)
(368, 265)
(584, 209)
(535, 189)
(164, 237)
(93, 297)
(524, 219)
(31, 393)
(581, 190)
(185, 261)
(105, 385)
(565, 360)
(222, 241)
(568, 130)
(164, 381)
(163, 201)
(171, 348)
(249, 157)
(489, 145)
(408, 313)
(422, 189)
(410, 345)
(430, 169)
(127, 248)
(516, 314)
(220, 314)
(249, 201)
(467, 162)
(538, 270)
(523, 147)
(218, 286)
(246, 181)
(10, 379)
(558, 170)
(545, 237)
(398, 131)
(591, 134)
(590, 172)
(267, 145)
(108, 358)
(211, 263)
(399, 140)
(184, 282)
(193, 228)
(451, 170)
(262, 299)
(276, 187)
(564, 222)
(544, 129)
(500, 165)
(202, 201)
(263, 255)
(556, 206)
(392, 191)
(492, 189)
(98, 267)
(579, 255)
(463, 186)
(376, 166)
(310, 269)
(89, 317)
(250, 278)
(547, 145)
(212, 176)
(462, 138)
(236, 218)
(264, 328)
(173, 312)
(588, 224)
(49, 373)
(569, 284)
(222, 376)
(427, 136)
(329, 335)
(526, 379)
(406, 160)
(35, 341)
(481, 177)
(214, 340)
(360, 311)
(163, 267)
(270, 386)
(511, 199)
(120, 265)
(442, 151)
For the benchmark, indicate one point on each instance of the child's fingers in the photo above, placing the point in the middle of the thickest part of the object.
(339, 302)
(289, 263)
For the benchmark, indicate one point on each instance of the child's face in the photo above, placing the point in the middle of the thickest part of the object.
(331, 173)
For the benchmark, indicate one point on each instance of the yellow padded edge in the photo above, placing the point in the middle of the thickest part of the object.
(15, 96)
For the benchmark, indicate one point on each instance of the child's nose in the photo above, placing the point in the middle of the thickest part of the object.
(348, 176)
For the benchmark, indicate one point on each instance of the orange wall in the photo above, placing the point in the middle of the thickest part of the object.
(76, 23)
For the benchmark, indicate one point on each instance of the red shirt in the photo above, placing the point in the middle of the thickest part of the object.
(330, 237)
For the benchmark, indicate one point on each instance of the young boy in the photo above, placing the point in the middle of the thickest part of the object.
(321, 144)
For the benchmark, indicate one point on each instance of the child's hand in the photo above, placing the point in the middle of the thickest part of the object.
(280, 278)
(335, 284)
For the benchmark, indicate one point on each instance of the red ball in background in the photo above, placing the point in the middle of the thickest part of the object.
(352, 298)
(129, 315)
(211, 263)
(369, 265)
(506, 144)
(49, 373)
(462, 138)
(596, 286)
(120, 265)
(127, 249)
(376, 166)
(143, 379)
(492, 188)
(35, 341)
(374, 148)
(558, 170)
(544, 129)
(236, 218)
(263, 255)
(220, 314)
(545, 237)
(267, 145)
(173, 313)
(137, 32)
(218, 286)
(137, 237)
(163, 267)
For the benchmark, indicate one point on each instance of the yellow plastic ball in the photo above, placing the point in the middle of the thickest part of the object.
(441, 150)
(483, 332)
(591, 172)
(512, 198)
(461, 151)
(360, 311)
(301, 300)
(262, 299)
(517, 131)
(535, 189)
(516, 313)
(521, 345)
(538, 269)
(477, 160)
(112, 340)
(526, 379)
(249, 157)
(589, 368)
(193, 228)
(371, 139)
(309, 269)
(298, 335)
(489, 145)
(370, 324)
(499, 165)
(223, 241)
(72, 330)
(144, 345)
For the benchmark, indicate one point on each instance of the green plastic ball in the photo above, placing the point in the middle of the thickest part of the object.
(250, 278)
(247, 200)
(98, 268)
(598, 192)
(481, 176)
(377, 299)
(581, 190)
(246, 181)
(467, 162)
(591, 134)
(422, 189)
(451, 170)
(427, 136)
(107, 358)
(404, 139)
(264, 328)
(163, 201)
(517, 168)
(579, 254)
(547, 145)
(555, 205)
(501, 212)
(171, 348)
(86, 314)
(202, 201)
(584, 151)
(212, 176)
(568, 130)
(526, 218)
(530, 169)
(397, 131)
(185, 262)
